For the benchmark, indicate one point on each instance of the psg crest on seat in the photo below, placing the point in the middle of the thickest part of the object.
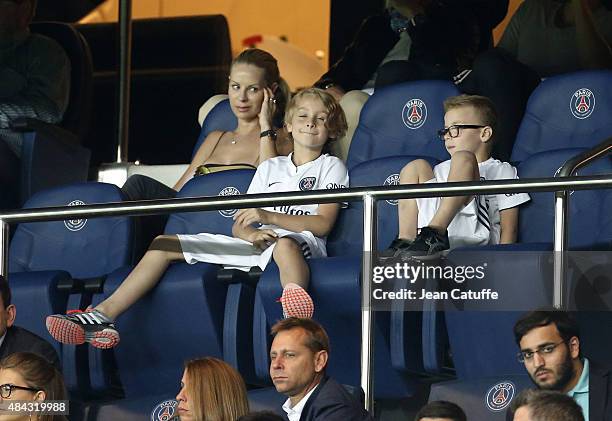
(165, 411)
(229, 191)
(75, 224)
(414, 113)
(499, 396)
(582, 103)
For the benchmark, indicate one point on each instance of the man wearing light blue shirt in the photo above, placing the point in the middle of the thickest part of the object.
(549, 344)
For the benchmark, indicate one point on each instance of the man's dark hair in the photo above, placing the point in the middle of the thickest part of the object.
(548, 405)
(261, 416)
(441, 409)
(5, 291)
(564, 321)
(317, 337)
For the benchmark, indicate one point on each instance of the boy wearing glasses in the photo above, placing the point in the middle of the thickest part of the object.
(549, 343)
(429, 227)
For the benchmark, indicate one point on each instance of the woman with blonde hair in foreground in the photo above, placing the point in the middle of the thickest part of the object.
(211, 390)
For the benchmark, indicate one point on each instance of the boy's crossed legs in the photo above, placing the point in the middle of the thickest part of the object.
(433, 238)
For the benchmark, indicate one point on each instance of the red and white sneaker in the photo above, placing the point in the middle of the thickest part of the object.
(296, 302)
(78, 327)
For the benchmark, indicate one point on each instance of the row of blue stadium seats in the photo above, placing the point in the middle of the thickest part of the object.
(237, 314)
(565, 111)
(234, 314)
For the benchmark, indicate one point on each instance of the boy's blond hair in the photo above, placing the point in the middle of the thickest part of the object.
(336, 120)
(484, 108)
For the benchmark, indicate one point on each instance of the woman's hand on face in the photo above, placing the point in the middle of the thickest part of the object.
(262, 239)
(268, 108)
(247, 217)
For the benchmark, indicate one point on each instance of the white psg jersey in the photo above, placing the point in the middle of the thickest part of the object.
(479, 222)
(273, 175)
(280, 174)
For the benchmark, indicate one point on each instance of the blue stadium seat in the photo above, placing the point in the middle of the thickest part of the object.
(332, 278)
(48, 259)
(347, 239)
(588, 218)
(528, 285)
(566, 111)
(73, 246)
(402, 119)
(221, 118)
(150, 357)
(347, 235)
(487, 398)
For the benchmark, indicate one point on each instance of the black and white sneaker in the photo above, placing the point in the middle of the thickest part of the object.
(78, 327)
(394, 249)
(428, 245)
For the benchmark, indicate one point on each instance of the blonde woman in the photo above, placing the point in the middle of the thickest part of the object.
(211, 390)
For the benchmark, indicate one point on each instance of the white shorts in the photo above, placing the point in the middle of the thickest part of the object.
(464, 230)
(235, 253)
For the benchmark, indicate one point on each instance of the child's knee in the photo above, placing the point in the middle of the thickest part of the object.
(285, 247)
(411, 170)
(464, 158)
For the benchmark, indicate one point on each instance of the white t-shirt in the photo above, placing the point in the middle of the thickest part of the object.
(272, 176)
(478, 223)
(280, 174)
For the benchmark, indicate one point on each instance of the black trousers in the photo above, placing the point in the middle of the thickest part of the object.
(146, 228)
(508, 83)
(10, 172)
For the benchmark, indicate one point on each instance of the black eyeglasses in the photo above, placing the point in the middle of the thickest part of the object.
(541, 351)
(455, 129)
(7, 389)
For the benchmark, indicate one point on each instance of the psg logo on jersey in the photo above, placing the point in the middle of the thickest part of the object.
(499, 396)
(165, 411)
(392, 180)
(229, 191)
(307, 183)
(582, 103)
(75, 224)
(414, 113)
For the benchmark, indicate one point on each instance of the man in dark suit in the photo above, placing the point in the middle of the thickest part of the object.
(16, 339)
(550, 349)
(299, 355)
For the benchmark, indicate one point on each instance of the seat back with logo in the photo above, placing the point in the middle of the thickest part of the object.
(588, 217)
(150, 356)
(85, 248)
(487, 398)
(402, 119)
(566, 111)
(220, 118)
(224, 183)
(347, 235)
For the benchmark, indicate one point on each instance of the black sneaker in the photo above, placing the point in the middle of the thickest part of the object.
(394, 249)
(427, 245)
(78, 327)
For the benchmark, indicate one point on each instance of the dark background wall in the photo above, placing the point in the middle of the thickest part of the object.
(345, 18)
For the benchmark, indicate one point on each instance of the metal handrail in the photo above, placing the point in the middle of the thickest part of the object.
(561, 211)
(581, 160)
(369, 195)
